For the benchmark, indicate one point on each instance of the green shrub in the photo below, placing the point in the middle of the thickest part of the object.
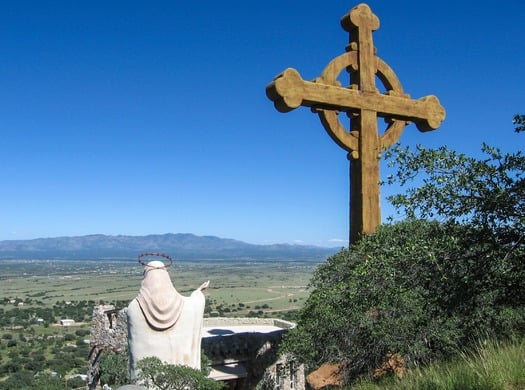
(114, 368)
(418, 288)
(152, 372)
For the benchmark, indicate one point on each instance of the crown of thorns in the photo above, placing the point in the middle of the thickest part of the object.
(166, 265)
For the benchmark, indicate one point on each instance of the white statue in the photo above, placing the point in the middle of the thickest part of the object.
(162, 323)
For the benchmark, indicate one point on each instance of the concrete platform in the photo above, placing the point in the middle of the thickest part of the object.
(224, 326)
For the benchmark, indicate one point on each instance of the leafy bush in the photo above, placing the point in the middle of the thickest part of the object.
(114, 368)
(422, 288)
(152, 372)
(418, 288)
(81, 332)
(19, 380)
(487, 194)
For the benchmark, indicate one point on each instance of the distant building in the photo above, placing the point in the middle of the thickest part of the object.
(80, 376)
(66, 322)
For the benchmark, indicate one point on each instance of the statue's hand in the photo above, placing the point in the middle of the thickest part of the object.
(204, 285)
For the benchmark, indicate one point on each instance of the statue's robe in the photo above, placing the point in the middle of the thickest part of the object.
(164, 324)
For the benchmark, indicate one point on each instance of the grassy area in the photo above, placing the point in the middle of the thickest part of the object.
(269, 286)
(492, 366)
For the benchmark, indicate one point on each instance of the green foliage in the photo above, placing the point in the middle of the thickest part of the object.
(114, 368)
(152, 372)
(205, 363)
(42, 381)
(364, 303)
(488, 193)
(417, 288)
(82, 332)
(47, 382)
(423, 288)
(76, 383)
(19, 380)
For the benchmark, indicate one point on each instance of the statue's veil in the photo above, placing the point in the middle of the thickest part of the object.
(159, 301)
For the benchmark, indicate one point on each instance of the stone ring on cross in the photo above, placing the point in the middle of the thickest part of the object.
(146, 254)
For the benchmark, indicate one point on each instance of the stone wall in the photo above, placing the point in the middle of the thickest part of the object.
(231, 321)
(285, 374)
(109, 332)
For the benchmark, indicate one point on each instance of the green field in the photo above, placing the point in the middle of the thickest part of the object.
(242, 287)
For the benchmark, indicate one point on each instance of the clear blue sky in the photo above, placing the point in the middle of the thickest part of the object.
(145, 117)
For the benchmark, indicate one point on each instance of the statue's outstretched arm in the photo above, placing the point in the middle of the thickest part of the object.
(204, 285)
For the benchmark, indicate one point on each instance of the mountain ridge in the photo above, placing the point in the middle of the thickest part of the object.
(178, 245)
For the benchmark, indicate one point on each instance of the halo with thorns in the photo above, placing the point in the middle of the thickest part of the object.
(155, 254)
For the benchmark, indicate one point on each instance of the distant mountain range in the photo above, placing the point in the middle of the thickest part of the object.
(182, 246)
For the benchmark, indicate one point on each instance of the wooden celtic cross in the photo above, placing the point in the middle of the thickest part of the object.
(363, 103)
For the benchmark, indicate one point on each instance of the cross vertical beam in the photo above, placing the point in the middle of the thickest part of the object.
(365, 213)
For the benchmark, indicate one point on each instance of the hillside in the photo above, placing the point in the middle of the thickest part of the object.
(179, 246)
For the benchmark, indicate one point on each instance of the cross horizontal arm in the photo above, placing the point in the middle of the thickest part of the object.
(289, 91)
